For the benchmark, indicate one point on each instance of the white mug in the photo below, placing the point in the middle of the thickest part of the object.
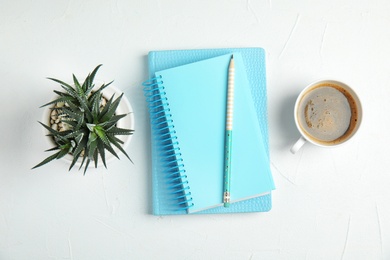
(322, 117)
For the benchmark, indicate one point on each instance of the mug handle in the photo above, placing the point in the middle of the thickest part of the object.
(301, 141)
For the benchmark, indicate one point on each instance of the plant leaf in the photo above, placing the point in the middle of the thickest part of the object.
(74, 134)
(113, 121)
(63, 84)
(71, 123)
(96, 108)
(62, 153)
(111, 110)
(92, 144)
(79, 138)
(83, 160)
(111, 150)
(105, 108)
(117, 139)
(61, 99)
(78, 87)
(51, 130)
(52, 149)
(95, 157)
(48, 159)
(86, 165)
(74, 107)
(119, 131)
(100, 89)
(114, 142)
(76, 156)
(89, 80)
(70, 91)
(101, 150)
(101, 134)
(81, 145)
(91, 127)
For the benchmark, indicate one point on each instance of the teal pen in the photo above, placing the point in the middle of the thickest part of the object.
(228, 134)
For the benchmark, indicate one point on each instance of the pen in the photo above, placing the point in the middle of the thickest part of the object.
(228, 134)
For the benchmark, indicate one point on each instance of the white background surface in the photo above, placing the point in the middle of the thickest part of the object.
(329, 203)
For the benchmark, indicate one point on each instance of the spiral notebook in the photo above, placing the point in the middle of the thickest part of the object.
(186, 100)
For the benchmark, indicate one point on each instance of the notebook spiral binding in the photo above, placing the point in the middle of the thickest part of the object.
(164, 135)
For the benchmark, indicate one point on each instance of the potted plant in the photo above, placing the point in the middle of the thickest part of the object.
(85, 121)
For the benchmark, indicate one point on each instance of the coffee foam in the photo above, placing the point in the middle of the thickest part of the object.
(327, 113)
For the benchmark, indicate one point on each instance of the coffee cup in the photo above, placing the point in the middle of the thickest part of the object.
(327, 113)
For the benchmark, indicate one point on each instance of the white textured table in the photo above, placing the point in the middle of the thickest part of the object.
(329, 203)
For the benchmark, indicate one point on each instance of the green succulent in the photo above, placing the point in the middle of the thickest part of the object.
(91, 128)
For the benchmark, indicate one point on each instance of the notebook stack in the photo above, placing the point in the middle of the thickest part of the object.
(186, 96)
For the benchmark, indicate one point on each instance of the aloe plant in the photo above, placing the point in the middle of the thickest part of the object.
(91, 129)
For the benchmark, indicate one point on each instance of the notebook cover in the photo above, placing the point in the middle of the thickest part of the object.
(196, 99)
(254, 60)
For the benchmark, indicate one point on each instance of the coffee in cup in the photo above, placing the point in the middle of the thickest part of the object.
(327, 113)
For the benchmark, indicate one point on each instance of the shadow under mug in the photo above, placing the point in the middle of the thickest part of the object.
(354, 124)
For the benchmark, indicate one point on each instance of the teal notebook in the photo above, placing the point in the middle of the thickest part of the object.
(187, 107)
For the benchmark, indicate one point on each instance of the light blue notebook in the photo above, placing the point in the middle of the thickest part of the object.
(187, 106)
